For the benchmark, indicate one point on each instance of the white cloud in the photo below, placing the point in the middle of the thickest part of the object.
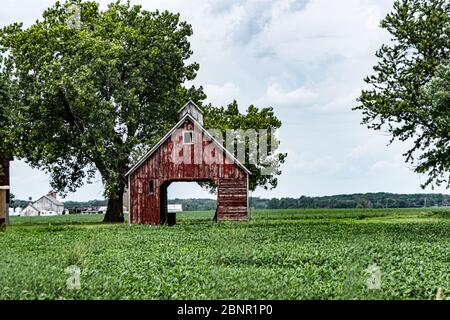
(313, 165)
(373, 146)
(382, 167)
(221, 94)
(275, 95)
(325, 29)
(307, 59)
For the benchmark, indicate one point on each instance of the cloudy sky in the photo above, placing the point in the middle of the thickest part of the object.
(306, 59)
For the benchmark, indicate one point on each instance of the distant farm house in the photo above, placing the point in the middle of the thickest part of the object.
(174, 208)
(188, 153)
(105, 208)
(4, 188)
(45, 205)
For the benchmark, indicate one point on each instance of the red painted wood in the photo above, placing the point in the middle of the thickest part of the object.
(161, 167)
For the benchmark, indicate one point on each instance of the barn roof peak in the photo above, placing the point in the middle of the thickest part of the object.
(193, 110)
(199, 125)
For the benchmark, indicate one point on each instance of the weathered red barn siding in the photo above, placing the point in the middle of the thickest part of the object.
(230, 179)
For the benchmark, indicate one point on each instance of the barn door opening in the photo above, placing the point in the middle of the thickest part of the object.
(186, 201)
(166, 217)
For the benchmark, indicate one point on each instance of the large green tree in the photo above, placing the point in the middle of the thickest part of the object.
(263, 163)
(437, 97)
(93, 89)
(5, 112)
(89, 86)
(5, 120)
(396, 96)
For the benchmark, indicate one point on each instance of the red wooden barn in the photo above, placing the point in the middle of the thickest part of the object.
(188, 152)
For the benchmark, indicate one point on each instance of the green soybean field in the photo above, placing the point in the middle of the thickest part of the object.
(278, 254)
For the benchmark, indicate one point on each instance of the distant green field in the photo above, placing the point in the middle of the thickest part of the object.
(279, 254)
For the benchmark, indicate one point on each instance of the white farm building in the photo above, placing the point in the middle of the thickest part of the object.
(47, 205)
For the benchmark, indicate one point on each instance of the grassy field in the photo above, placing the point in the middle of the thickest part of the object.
(280, 254)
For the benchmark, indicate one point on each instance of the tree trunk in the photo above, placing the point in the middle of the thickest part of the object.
(114, 213)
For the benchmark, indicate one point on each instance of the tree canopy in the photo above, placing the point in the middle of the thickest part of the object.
(229, 118)
(5, 121)
(397, 98)
(92, 89)
(86, 96)
(5, 114)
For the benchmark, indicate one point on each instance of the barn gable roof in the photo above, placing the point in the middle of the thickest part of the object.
(196, 123)
(55, 201)
(30, 205)
(192, 103)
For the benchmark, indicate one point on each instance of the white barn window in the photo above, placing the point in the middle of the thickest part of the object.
(188, 137)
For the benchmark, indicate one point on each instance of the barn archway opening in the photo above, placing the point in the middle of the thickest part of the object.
(186, 201)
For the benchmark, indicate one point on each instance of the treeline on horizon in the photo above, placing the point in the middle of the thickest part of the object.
(345, 201)
(356, 200)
